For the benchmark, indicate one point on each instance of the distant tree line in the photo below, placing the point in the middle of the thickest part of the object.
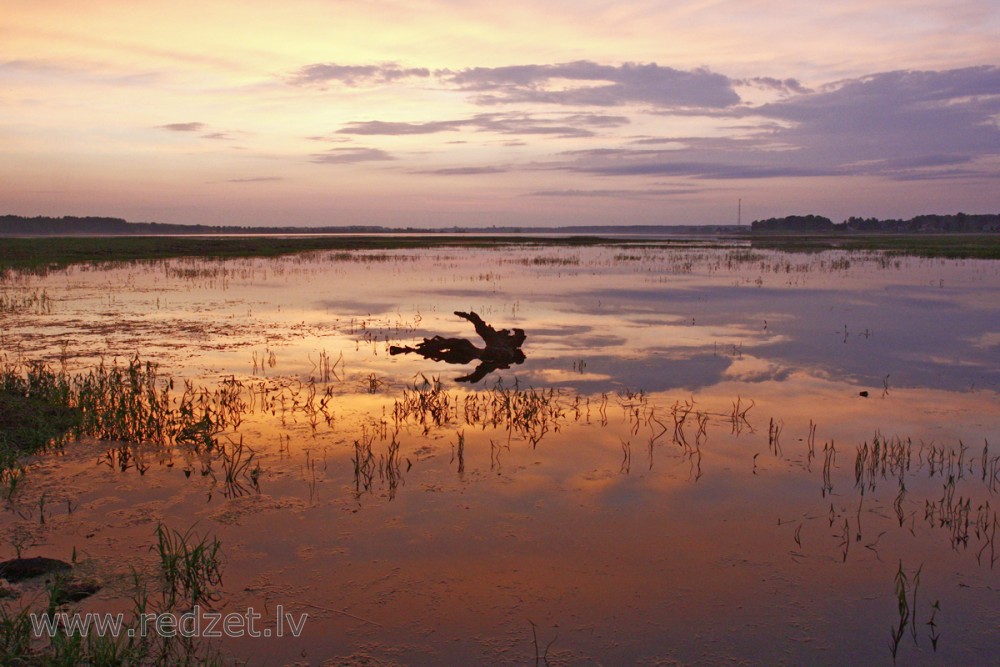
(816, 224)
(16, 225)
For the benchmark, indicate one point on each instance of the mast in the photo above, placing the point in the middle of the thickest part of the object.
(739, 212)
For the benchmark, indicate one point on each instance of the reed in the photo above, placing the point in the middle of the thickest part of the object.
(986, 526)
(428, 403)
(364, 462)
(460, 448)
(191, 568)
(626, 465)
(906, 605)
(903, 609)
(829, 458)
(134, 644)
(540, 656)
(738, 416)
(238, 466)
(389, 465)
(811, 445)
(774, 436)
(882, 458)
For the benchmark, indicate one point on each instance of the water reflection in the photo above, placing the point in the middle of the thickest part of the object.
(680, 463)
(502, 349)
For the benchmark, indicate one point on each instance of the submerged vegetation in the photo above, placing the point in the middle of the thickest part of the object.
(35, 408)
(130, 405)
(57, 634)
(660, 432)
(42, 254)
(952, 246)
(53, 253)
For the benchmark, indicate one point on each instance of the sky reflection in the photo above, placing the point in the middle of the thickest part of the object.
(632, 515)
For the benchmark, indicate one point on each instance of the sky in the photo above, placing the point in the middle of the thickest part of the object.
(441, 113)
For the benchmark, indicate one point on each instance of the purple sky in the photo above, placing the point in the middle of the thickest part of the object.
(441, 113)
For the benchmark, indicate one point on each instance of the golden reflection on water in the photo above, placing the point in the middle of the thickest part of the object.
(677, 483)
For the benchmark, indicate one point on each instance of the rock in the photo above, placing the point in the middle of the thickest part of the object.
(19, 569)
(74, 590)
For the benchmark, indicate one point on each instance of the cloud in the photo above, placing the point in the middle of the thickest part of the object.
(786, 86)
(616, 194)
(563, 126)
(354, 75)
(703, 162)
(350, 156)
(895, 121)
(259, 179)
(900, 102)
(592, 84)
(581, 83)
(902, 125)
(378, 127)
(183, 127)
(464, 171)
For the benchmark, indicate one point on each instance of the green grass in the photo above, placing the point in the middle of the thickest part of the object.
(35, 410)
(191, 575)
(46, 253)
(952, 246)
(55, 252)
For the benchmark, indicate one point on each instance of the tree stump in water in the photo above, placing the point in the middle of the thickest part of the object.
(502, 348)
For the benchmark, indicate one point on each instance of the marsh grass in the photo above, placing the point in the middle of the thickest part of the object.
(238, 467)
(829, 458)
(33, 301)
(50, 635)
(774, 436)
(427, 402)
(882, 458)
(36, 406)
(460, 451)
(365, 465)
(738, 417)
(906, 606)
(526, 413)
(389, 465)
(191, 567)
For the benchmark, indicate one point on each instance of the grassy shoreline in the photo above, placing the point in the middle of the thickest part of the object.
(952, 246)
(54, 252)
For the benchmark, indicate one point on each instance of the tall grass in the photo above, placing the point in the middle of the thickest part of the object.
(191, 567)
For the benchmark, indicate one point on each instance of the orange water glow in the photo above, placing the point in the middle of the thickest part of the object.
(683, 489)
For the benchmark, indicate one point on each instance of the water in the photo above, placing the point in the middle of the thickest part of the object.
(678, 484)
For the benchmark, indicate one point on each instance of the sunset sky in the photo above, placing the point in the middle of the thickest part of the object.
(472, 113)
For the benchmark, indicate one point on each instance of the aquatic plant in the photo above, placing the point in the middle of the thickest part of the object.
(36, 406)
(191, 567)
(881, 458)
(365, 466)
(389, 465)
(126, 641)
(236, 461)
(460, 449)
(906, 608)
(14, 302)
(427, 402)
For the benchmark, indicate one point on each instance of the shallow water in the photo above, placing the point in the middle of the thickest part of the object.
(680, 484)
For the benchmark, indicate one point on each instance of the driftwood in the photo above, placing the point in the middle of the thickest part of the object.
(502, 349)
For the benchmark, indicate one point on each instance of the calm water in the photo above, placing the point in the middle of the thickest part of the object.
(688, 475)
